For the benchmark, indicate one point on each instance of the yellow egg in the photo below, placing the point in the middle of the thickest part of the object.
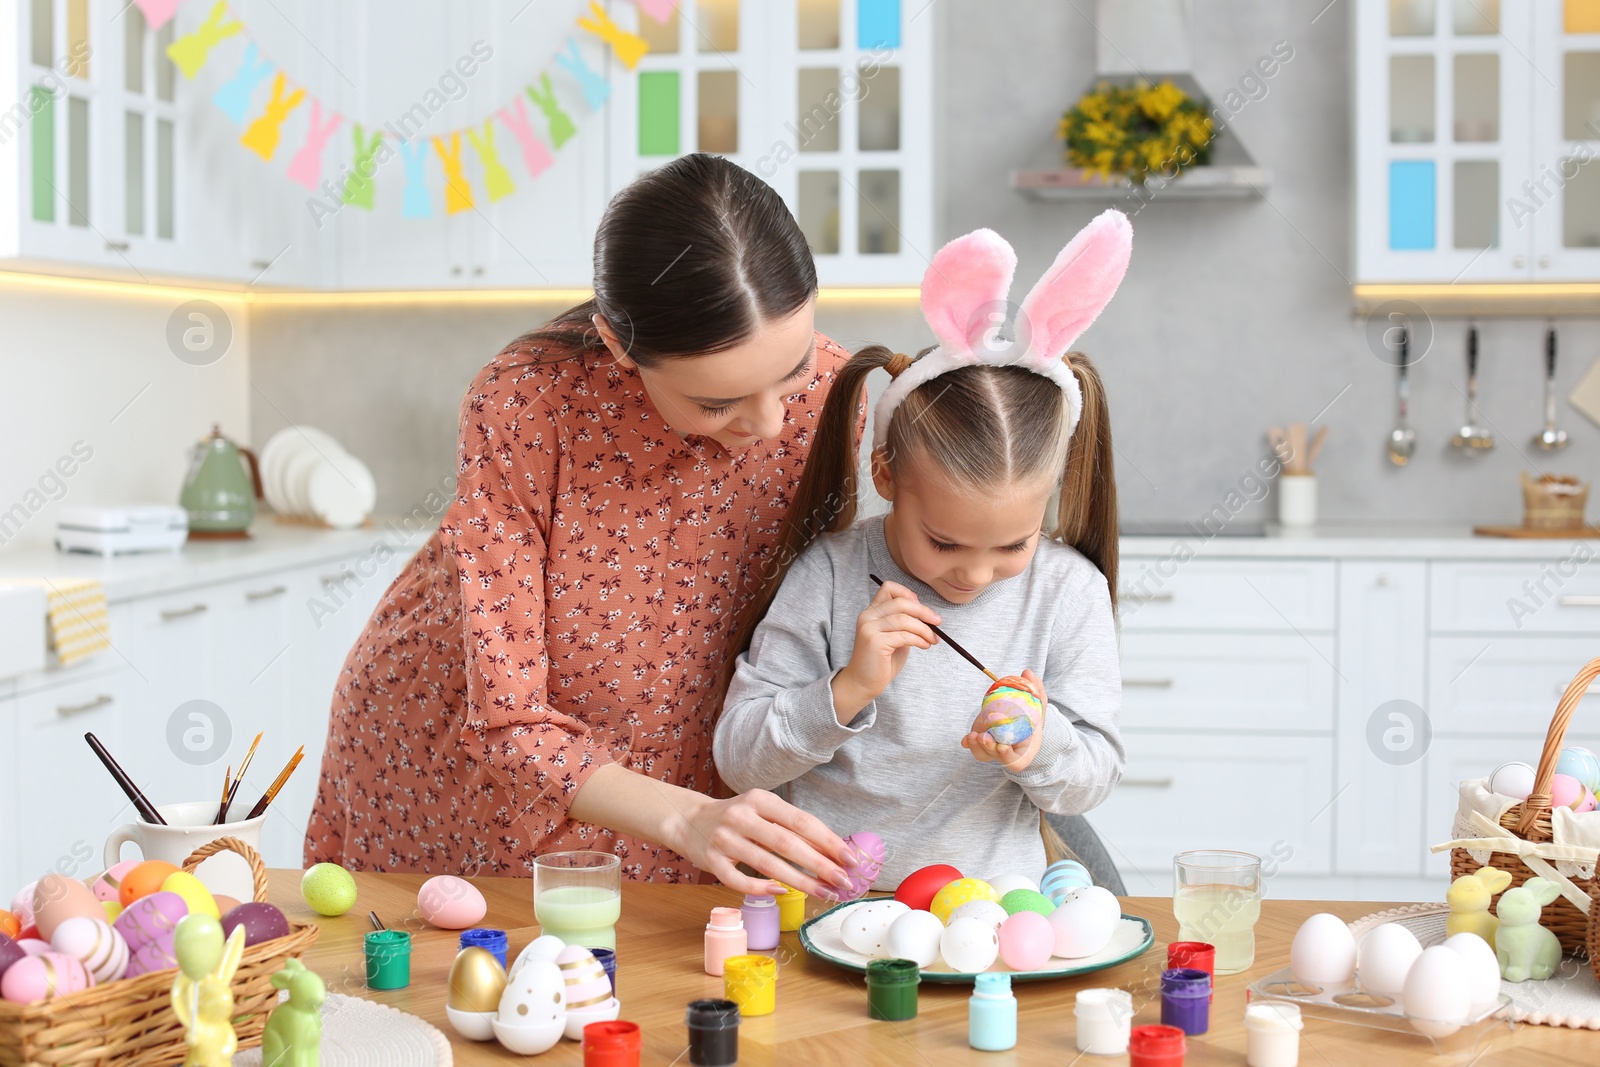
(476, 981)
(113, 909)
(959, 892)
(193, 892)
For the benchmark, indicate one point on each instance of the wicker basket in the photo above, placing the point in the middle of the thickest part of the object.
(1530, 820)
(129, 1022)
(1553, 502)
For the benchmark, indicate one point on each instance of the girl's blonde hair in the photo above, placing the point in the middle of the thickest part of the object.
(983, 427)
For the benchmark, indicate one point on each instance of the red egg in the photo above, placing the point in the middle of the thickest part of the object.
(919, 887)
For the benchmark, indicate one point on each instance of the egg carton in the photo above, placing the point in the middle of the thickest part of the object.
(1348, 1003)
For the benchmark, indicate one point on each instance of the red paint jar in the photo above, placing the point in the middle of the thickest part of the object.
(611, 1044)
(1156, 1046)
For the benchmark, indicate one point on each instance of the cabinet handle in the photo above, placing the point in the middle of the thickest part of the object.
(1579, 601)
(1561, 690)
(89, 705)
(116, 246)
(1146, 598)
(346, 575)
(1147, 683)
(1147, 783)
(1544, 261)
(456, 270)
(1518, 262)
(260, 264)
(477, 271)
(264, 594)
(168, 614)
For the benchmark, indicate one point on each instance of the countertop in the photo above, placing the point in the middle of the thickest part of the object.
(1336, 541)
(273, 545)
(822, 1009)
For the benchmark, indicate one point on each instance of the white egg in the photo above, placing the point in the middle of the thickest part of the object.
(1385, 958)
(1514, 780)
(983, 910)
(1007, 882)
(102, 949)
(1483, 969)
(532, 1012)
(915, 936)
(1436, 997)
(1323, 952)
(1085, 922)
(969, 945)
(543, 947)
(866, 927)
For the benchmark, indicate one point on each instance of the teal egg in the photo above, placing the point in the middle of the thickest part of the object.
(1062, 877)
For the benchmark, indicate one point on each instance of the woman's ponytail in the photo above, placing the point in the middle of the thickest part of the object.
(826, 498)
(1086, 513)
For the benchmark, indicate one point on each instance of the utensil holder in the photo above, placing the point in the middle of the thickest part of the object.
(1297, 499)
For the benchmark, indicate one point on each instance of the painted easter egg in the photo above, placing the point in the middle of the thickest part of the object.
(148, 925)
(144, 879)
(57, 898)
(10, 925)
(95, 944)
(919, 887)
(10, 952)
(532, 1013)
(958, 893)
(1011, 711)
(261, 922)
(451, 902)
(985, 910)
(865, 928)
(867, 853)
(108, 884)
(1026, 900)
(43, 977)
(1565, 791)
(1062, 877)
(585, 979)
(194, 893)
(1027, 941)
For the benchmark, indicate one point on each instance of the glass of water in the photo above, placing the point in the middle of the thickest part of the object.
(1216, 898)
(578, 897)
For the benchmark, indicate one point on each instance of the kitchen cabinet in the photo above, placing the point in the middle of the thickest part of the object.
(1476, 126)
(10, 814)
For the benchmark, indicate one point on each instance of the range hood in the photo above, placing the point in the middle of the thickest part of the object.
(1151, 39)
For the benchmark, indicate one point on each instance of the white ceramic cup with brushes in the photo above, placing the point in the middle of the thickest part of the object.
(1297, 484)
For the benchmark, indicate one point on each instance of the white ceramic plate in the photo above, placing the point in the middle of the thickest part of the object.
(342, 492)
(278, 454)
(822, 938)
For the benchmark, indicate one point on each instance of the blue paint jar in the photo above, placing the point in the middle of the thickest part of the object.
(1186, 999)
(492, 940)
(992, 1014)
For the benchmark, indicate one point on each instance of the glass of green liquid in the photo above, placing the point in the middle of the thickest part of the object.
(1216, 898)
(577, 896)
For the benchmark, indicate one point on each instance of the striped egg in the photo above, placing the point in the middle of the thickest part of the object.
(43, 977)
(1062, 877)
(585, 979)
(95, 944)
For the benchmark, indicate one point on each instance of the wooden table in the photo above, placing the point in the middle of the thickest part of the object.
(822, 1010)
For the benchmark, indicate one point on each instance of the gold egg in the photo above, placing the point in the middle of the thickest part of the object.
(476, 981)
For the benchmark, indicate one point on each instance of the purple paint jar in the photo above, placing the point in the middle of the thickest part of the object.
(1186, 999)
(760, 922)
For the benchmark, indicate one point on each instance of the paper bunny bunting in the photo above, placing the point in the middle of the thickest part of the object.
(964, 300)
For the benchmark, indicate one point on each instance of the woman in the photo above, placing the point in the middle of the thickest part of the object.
(546, 672)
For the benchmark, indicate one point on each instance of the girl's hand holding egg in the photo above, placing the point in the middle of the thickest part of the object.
(981, 742)
(893, 624)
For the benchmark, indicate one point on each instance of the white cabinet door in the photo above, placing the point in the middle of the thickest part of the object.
(1518, 596)
(1244, 791)
(1449, 762)
(1509, 686)
(1211, 682)
(169, 643)
(1235, 594)
(1382, 736)
(1561, 205)
(72, 803)
(10, 764)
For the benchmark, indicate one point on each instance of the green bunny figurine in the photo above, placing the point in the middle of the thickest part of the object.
(1526, 949)
(293, 1037)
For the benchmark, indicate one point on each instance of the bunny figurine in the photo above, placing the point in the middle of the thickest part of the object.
(293, 1037)
(202, 994)
(1469, 898)
(1526, 949)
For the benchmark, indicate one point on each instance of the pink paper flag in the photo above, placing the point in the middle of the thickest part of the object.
(157, 13)
(534, 153)
(660, 10)
(306, 166)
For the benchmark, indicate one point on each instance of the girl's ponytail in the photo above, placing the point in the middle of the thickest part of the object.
(1086, 512)
(825, 500)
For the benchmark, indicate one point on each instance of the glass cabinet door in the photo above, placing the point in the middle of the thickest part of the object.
(1562, 200)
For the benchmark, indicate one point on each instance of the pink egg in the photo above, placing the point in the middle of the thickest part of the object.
(22, 904)
(57, 898)
(33, 946)
(110, 881)
(450, 902)
(586, 980)
(1565, 791)
(43, 977)
(1588, 802)
(1027, 941)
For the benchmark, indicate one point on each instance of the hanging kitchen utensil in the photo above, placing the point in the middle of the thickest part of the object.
(1550, 439)
(1472, 439)
(1403, 439)
(219, 491)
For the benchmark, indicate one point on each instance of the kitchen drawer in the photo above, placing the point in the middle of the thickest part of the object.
(1509, 685)
(1519, 596)
(1271, 595)
(1246, 791)
(1184, 681)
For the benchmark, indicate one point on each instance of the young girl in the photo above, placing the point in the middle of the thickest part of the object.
(845, 697)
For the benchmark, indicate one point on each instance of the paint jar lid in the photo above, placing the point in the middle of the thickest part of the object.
(725, 919)
(1274, 1016)
(618, 1035)
(755, 900)
(1113, 1004)
(712, 1015)
(750, 965)
(893, 972)
(388, 943)
(1156, 1041)
(992, 984)
(483, 938)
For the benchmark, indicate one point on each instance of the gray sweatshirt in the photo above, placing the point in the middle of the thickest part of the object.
(898, 769)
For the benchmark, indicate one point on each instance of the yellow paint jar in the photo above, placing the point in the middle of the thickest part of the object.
(791, 909)
(751, 981)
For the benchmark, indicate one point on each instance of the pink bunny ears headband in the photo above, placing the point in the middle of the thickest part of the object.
(964, 298)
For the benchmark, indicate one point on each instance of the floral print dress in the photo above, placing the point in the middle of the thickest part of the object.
(576, 607)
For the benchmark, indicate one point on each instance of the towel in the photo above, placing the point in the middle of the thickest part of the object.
(79, 626)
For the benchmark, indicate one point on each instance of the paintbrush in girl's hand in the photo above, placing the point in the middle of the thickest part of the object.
(968, 656)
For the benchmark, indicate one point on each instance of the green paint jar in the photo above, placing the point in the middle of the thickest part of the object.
(892, 989)
(388, 959)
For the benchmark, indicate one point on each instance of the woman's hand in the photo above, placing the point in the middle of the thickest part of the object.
(1013, 758)
(769, 835)
(894, 623)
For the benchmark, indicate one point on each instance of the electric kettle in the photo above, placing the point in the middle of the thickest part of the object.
(219, 492)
